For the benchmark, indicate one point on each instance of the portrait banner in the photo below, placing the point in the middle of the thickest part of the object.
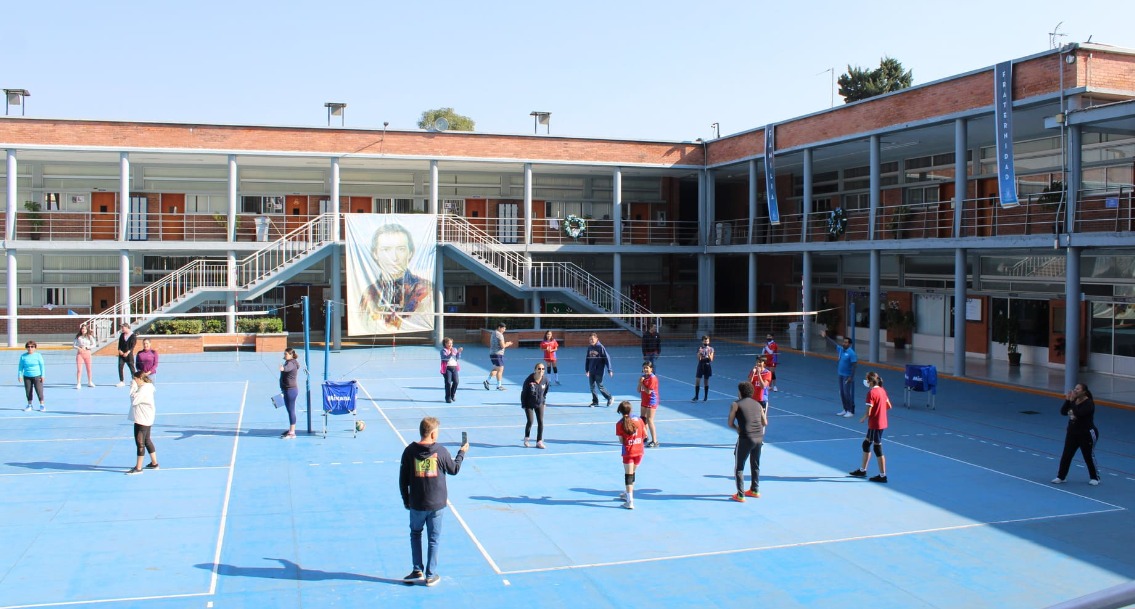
(390, 273)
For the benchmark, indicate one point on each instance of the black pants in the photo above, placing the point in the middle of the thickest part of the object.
(538, 414)
(34, 382)
(748, 450)
(451, 378)
(142, 439)
(1085, 442)
(128, 361)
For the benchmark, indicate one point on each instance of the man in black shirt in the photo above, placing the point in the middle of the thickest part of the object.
(126, 343)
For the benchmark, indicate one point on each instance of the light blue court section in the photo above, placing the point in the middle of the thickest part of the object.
(237, 517)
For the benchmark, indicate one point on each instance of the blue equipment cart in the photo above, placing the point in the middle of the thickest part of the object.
(921, 378)
(339, 398)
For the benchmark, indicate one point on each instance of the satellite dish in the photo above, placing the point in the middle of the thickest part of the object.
(441, 124)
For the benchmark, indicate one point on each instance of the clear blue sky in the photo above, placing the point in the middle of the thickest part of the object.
(658, 69)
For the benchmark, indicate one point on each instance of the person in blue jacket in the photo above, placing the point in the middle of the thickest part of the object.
(31, 373)
(596, 361)
(845, 369)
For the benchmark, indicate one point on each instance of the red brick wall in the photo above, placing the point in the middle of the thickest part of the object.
(30, 327)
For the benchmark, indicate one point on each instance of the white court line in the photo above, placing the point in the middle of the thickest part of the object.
(216, 556)
(228, 494)
(115, 438)
(104, 414)
(803, 544)
(130, 599)
(453, 508)
(106, 471)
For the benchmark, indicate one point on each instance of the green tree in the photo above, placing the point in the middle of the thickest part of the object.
(860, 83)
(457, 122)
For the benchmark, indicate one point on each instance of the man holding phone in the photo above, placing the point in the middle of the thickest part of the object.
(421, 481)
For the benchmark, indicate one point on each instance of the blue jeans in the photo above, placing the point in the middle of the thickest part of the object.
(431, 521)
(847, 393)
(596, 380)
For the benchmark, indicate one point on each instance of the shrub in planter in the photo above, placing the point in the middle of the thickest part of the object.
(214, 326)
(260, 325)
(176, 326)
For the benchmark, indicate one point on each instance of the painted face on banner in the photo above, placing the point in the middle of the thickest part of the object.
(392, 251)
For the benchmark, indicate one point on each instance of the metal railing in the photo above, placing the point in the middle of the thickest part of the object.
(513, 266)
(205, 273)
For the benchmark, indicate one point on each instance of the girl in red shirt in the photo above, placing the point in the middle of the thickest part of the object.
(549, 345)
(877, 406)
(648, 389)
(631, 431)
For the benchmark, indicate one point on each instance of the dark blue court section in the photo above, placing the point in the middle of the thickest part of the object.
(237, 517)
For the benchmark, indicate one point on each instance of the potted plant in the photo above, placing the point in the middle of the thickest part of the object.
(1005, 331)
(899, 217)
(35, 218)
(1053, 194)
(900, 323)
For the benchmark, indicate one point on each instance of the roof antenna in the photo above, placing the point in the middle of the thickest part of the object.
(1054, 36)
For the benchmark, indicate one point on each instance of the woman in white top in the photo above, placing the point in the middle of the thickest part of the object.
(142, 412)
(84, 345)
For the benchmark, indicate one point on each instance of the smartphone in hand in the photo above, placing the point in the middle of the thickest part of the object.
(464, 438)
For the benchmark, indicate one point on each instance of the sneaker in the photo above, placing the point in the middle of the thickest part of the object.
(1058, 480)
(525, 442)
(753, 494)
(739, 498)
(414, 576)
(623, 496)
(1094, 482)
(91, 385)
(841, 413)
(448, 401)
(557, 382)
(628, 505)
(120, 384)
(28, 408)
(287, 435)
(540, 444)
(501, 388)
(775, 389)
(881, 478)
(78, 386)
(486, 384)
(847, 414)
(858, 474)
(433, 580)
(610, 401)
(42, 408)
(133, 471)
(652, 444)
(153, 466)
(694, 399)
(594, 404)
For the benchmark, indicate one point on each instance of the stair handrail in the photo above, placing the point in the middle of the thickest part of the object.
(214, 273)
(476, 242)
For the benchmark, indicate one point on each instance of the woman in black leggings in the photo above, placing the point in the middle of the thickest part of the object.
(533, 396)
(142, 412)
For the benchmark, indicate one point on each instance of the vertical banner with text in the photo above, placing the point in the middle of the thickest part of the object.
(390, 273)
(770, 176)
(1003, 129)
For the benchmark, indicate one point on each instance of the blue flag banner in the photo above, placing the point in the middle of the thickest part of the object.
(1003, 129)
(770, 176)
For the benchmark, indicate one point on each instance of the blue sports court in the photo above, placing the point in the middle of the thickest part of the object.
(237, 517)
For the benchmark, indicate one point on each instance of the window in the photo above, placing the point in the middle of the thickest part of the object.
(261, 205)
(55, 296)
(917, 195)
(454, 294)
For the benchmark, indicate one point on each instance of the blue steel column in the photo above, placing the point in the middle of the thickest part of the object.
(959, 312)
(961, 183)
(876, 291)
(1072, 331)
(335, 338)
(1074, 177)
(123, 222)
(806, 300)
(10, 234)
(751, 331)
(230, 236)
(874, 303)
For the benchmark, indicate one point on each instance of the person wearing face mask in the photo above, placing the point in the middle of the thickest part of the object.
(877, 406)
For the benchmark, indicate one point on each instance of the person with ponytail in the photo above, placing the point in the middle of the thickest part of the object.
(877, 406)
(631, 431)
(1082, 433)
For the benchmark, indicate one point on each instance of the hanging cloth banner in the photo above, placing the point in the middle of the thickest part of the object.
(770, 177)
(1003, 129)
